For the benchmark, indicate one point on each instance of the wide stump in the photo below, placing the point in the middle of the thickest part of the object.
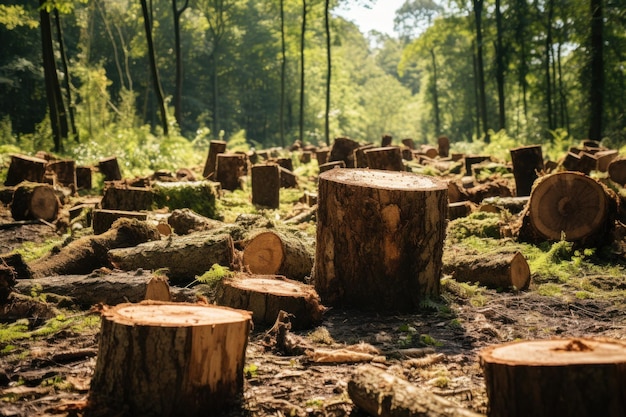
(380, 238)
(169, 359)
(554, 378)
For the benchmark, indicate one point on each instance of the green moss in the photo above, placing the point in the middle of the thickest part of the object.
(199, 196)
(479, 224)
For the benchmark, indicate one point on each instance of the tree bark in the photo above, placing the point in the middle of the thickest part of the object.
(556, 378)
(25, 168)
(103, 219)
(527, 164)
(596, 88)
(388, 158)
(372, 250)
(216, 147)
(266, 185)
(497, 270)
(178, 83)
(35, 201)
(169, 359)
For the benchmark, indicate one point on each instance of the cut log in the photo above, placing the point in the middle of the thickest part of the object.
(230, 168)
(216, 147)
(343, 150)
(110, 288)
(443, 146)
(158, 289)
(459, 209)
(25, 168)
(266, 295)
(388, 158)
(527, 163)
(102, 220)
(617, 171)
(35, 201)
(287, 178)
(429, 151)
(17, 264)
(571, 206)
(185, 221)
(110, 168)
(185, 257)
(494, 270)
(513, 205)
(120, 196)
(476, 194)
(90, 252)
(604, 158)
(169, 359)
(331, 165)
(379, 238)
(277, 253)
(556, 378)
(266, 185)
(382, 394)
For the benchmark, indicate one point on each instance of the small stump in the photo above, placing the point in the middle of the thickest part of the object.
(169, 359)
(380, 238)
(553, 378)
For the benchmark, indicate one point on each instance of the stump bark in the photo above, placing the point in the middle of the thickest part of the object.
(266, 185)
(120, 196)
(25, 168)
(343, 150)
(102, 220)
(278, 253)
(527, 163)
(380, 238)
(169, 359)
(388, 158)
(65, 173)
(33, 201)
(216, 147)
(553, 378)
(110, 169)
(617, 171)
(230, 168)
(266, 295)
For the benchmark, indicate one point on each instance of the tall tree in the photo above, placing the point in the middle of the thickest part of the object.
(302, 67)
(283, 73)
(500, 67)
(547, 66)
(596, 90)
(156, 81)
(480, 66)
(178, 88)
(328, 71)
(66, 70)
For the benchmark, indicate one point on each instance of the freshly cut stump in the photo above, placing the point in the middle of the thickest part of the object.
(571, 205)
(266, 296)
(266, 185)
(169, 359)
(275, 253)
(553, 378)
(527, 163)
(380, 238)
(32, 201)
(388, 158)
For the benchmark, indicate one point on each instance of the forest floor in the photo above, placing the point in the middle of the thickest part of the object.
(437, 349)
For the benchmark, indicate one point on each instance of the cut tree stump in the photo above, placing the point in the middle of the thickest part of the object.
(88, 253)
(185, 221)
(322, 156)
(185, 257)
(83, 178)
(25, 168)
(343, 150)
(360, 159)
(110, 168)
(527, 163)
(386, 140)
(287, 178)
(169, 359)
(120, 196)
(266, 295)
(443, 146)
(574, 377)
(230, 168)
(102, 220)
(604, 158)
(216, 147)
(617, 171)
(65, 173)
(32, 201)
(380, 238)
(332, 165)
(494, 270)
(278, 253)
(569, 205)
(158, 289)
(266, 185)
(382, 394)
(388, 158)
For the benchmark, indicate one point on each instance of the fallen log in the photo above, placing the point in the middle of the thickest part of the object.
(382, 394)
(90, 252)
(185, 221)
(185, 257)
(493, 270)
(35, 201)
(102, 219)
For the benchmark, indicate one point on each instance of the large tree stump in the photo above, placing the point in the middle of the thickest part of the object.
(527, 163)
(380, 238)
(83, 178)
(102, 220)
(556, 378)
(230, 168)
(571, 206)
(266, 185)
(382, 394)
(169, 359)
(494, 270)
(65, 173)
(120, 196)
(266, 295)
(342, 150)
(278, 253)
(25, 168)
(110, 168)
(388, 158)
(216, 147)
(185, 257)
(33, 201)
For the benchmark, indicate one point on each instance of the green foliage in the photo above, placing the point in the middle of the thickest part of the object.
(214, 275)
(12, 16)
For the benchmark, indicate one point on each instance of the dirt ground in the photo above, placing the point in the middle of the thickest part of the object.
(436, 349)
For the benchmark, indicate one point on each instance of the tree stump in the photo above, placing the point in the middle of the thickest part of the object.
(276, 253)
(496, 270)
(83, 178)
(169, 359)
(553, 378)
(120, 196)
(386, 140)
(331, 165)
(569, 205)
(230, 168)
(388, 158)
(266, 185)
(342, 150)
(110, 169)
(527, 163)
(604, 158)
(322, 156)
(266, 295)
(216, 147)
(102, 219)
(360, 159)
(25, 168)
(443, 146)
(286, 163)
(409, 143)
(65, 172)
(158, 289)
(32, 201)
(287, 178)
(380, 238)
(471, 160)
(459, 209)
(305, 157)
(617, 171)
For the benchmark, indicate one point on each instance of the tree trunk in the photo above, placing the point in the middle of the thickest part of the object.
(435, 94)
(596, 88)
(372, 250)
(169, 359)
(266, 185)
(266, 295)
(500, 68)
(283, 73)
(548, 55)
(328, 71)
(527, 164)
(35, 201)
(480, 66)
(277, 253)
(302, 67)
(556, 378)
(25, 168)
(497, 270)
(68, 78)
(381, 394)
(178, 83)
